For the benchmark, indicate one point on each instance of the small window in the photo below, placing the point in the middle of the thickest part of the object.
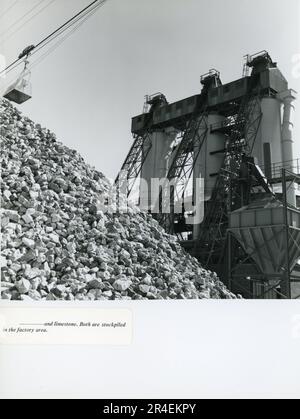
(227, 89)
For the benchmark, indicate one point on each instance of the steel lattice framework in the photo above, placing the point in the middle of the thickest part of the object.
(134, 161)
(182, 166)
(243, 129)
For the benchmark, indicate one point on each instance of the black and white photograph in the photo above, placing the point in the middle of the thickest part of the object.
(149, 153)
(215, 215)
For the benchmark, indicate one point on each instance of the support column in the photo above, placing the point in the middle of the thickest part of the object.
(287, 142)
(155, 166)
(286, 283)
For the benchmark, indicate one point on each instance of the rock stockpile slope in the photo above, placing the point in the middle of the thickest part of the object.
(57, 243)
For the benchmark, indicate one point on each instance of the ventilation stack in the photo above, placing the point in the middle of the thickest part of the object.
(287, 142)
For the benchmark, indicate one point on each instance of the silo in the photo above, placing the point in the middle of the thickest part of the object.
(267, 147)
(288, 98)
(273, 146)
(211, 157)
(156, 164)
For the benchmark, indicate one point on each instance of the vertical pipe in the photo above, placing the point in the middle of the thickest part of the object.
(286, 284)
(287, 126)
(287, 142)
(229, 261)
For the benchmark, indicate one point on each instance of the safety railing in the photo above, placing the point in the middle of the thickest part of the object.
(227, 123)
(275, 169)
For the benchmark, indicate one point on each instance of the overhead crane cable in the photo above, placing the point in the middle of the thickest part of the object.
(11, 67)
(79, 19)
(9, 9)
(55, 46)
(17, 62)
(70, 20)
(27, 21)
(21, 18)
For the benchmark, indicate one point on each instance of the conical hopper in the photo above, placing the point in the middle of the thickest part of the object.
(262, 233)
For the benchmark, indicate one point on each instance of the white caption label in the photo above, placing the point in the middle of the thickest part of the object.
(81, 326)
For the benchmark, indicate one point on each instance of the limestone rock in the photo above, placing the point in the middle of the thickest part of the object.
(144, 289)
(28, 243)
(60, 242)
(3, 262)
(23, 286)
(122, 284)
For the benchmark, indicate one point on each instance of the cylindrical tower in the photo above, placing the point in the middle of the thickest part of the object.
(288, 98)
(156, 164)
(267, 147)
(273, 148)
(211, 157)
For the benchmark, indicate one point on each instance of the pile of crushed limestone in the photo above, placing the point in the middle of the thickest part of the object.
(60, 242)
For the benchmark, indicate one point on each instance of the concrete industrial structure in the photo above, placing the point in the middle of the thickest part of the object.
(238, 137)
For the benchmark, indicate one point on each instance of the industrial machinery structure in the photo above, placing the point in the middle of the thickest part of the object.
(21, 90)
(237, 137)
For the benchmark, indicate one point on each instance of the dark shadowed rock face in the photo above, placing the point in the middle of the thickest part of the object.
(58, 243)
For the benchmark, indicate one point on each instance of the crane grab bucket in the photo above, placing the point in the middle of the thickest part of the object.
(21, 91)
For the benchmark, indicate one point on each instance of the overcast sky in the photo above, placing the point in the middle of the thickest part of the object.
(90, 87)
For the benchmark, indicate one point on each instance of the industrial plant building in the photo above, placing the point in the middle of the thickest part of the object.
(237, 137)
